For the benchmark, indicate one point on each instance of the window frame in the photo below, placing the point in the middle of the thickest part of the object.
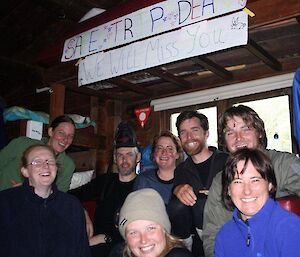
(222, 105)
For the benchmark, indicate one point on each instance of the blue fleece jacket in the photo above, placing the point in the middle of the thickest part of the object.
(272, 232)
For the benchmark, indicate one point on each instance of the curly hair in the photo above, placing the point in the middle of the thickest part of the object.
(249, 116)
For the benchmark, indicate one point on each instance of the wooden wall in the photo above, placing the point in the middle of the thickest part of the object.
(155, 123)
(108, 114)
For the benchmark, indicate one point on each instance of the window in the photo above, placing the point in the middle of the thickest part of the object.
(274, 111)
(276, 115)
(269, 97)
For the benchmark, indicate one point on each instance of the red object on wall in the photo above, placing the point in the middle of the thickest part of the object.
(142, 115)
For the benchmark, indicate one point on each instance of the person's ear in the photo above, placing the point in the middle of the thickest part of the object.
(115, 157)
(229, 192)
(50, 131)
(270, 186)
(138, 158)
(207, 134)
(24, 172)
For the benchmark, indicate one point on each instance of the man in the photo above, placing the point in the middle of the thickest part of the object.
(110, 191)
(193, 177)
(242, 127)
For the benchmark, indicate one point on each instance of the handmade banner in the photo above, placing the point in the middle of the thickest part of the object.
(146, 22)
(192, 40)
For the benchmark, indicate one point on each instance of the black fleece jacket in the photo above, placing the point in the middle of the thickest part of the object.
(36, 227)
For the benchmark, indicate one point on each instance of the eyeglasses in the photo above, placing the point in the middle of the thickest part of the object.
(168, 149)
(40, 163)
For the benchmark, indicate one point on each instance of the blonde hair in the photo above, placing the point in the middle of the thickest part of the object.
(171, 242)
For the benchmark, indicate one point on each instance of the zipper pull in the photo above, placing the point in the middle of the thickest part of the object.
(248, 239)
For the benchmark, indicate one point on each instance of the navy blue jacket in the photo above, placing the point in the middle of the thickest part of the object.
(36, 227)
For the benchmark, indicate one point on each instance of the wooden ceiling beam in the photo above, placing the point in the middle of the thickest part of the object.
(71, 85)
(213, 67)
(262, 54)
(165, 75)
(130, 86)
(92, 92)
(270, 11)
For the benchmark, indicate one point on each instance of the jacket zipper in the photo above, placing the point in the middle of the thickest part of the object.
(248, 239)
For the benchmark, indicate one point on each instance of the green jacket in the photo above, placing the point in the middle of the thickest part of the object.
(10, 164)
(287, 171)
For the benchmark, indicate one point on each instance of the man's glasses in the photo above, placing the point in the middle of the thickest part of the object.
(40, 163)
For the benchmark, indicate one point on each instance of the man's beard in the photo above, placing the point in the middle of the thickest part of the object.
(126, 172)
(193, 151)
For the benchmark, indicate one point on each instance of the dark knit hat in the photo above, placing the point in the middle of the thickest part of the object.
(125, 136)
(144, 204)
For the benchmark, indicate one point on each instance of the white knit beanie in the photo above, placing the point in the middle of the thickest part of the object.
(144, 204)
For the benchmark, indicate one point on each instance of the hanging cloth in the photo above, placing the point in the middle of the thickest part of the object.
(296, 106)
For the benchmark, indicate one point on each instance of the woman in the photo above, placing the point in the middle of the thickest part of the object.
(260, 226)
(38, 220)
(61, 133)
(145, 226)
(166, 153)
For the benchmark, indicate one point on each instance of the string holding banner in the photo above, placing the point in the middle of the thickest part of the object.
(142, 115)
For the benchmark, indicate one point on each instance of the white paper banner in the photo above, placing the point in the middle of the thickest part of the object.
(193, 40)
(147, 22)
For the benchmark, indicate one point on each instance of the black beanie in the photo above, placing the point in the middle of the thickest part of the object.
(125, 136)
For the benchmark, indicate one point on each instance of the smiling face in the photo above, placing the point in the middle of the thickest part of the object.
(126, 159)
(61, 137)
(248, 191)
(165, 153)
(145, 238)
(41, 168)
(238, 135)
(193, 137)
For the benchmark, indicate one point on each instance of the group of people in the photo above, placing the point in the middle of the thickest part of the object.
(213, 203)
(37, 218)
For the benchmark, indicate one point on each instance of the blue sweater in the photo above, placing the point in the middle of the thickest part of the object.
(31, 226)
(272, 232)
(150, 179)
